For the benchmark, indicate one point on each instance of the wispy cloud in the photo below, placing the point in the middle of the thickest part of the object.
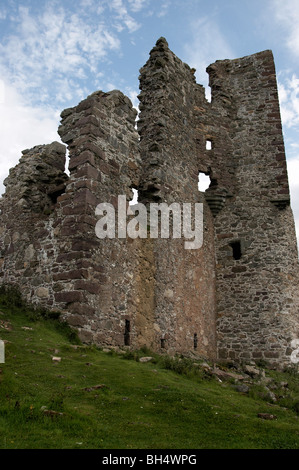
(286, 14)
(123, 17)
(289, 99)
(164, 8)
(137, 5)
(21, 125)
(293, 171)
(2, 13)
(207, 45)
(53, 43)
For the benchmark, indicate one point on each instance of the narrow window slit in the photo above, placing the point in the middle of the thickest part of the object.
(195, 341)
(127, 332)
(208, 144)
(135, 197)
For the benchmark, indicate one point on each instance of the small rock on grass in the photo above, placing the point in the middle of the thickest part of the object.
(95, 387)
(266, 416)
(145, 359)
(56, 359)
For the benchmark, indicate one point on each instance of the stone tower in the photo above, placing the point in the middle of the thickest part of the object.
(236, 296)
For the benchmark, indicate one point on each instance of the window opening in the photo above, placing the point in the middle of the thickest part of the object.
(127, 332)
(59, 190)
(162, 343)
(67, 162)
(236, 247)
(204, 181)
(208, 144)
(195, 341)
(135, 197)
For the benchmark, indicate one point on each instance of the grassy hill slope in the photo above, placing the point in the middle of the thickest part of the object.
(92, 399)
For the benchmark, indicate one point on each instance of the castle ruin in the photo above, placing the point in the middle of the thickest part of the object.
(235, 298)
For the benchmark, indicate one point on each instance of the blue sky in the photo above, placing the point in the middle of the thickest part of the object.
(54, 53)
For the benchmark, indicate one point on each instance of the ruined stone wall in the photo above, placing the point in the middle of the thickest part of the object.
(28, 243)
(102, 142)
(257, 260)
(236, 296)
(171, 155)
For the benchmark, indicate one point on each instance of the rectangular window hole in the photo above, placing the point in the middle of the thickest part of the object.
(163, 343)
(127, 332)
(195, 341)
(208, 144)
(237, 250)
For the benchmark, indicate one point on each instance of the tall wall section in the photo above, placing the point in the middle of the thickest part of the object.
(256, 250)
(28, 241)
(97, 277)
(172, 153)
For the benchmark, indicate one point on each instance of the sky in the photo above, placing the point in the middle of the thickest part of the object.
(55, 53)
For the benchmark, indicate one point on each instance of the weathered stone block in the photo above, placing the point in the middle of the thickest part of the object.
(68, 297)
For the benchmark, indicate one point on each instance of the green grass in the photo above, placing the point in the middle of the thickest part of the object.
(163, 404)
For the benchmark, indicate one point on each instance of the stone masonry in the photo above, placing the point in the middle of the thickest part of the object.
(236, 297)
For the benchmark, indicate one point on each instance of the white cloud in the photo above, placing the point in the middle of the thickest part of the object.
(288, 89)
(22, 127)
(2, 91)
(2, 14)
(293, 172)
(123, 16)
(137, 5)
(287, 15)
(207, 45)
(51, 44)
(164, 9)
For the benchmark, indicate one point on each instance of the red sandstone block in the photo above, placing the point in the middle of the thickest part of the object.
(74, 274)
(68, 297)
(89, 119)
(84, 157)
(282, 178)
(84, 245)
(239, 269)
(70, 256)
(92, 130)
(85, 196)
(105, 168)
(271, 354)
(95, 149)
(283, 191)
(275, 115)
(88, 171)
(67, 231)
(114, 164)
(76, 320)
(63, 197)
(83, 183)
(70, 210)
(225, 235)
(81, 309)
(89, 286)
(85, 104)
